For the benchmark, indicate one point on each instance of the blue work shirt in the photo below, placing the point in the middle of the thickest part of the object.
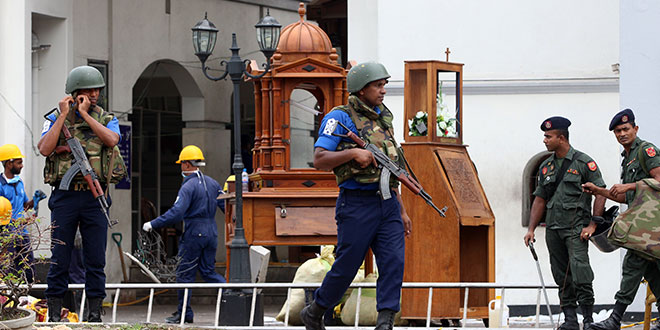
(196, 205)
(330, 142)
(15, 193)
(113, 125)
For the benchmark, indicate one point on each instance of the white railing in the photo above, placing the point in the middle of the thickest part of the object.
(257, 286)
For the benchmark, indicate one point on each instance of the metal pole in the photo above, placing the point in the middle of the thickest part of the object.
(239, 264)
(545, 292)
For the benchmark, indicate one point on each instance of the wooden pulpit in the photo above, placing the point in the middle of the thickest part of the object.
(460, 247)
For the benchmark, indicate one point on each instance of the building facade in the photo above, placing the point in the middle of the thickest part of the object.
(155, 86)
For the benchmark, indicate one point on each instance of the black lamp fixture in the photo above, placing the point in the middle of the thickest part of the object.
(236, 304)
(268, 34)
(204, 37)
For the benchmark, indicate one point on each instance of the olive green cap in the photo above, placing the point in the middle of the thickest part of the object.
(83, 77)
(364, 73)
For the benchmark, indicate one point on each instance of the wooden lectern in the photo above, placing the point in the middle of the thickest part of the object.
(460, 247)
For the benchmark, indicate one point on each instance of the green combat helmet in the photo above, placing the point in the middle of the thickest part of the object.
(364, 73)
(83, 77)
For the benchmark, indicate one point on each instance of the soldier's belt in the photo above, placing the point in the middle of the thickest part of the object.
(359, 192)
(78, 186)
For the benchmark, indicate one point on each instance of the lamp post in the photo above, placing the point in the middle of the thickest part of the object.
(204, 38)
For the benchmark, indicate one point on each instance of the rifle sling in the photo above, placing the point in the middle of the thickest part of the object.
(109, 174)
(640, 158)
(552, 188)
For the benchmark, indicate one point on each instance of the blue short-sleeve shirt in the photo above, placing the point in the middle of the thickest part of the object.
(113, 125)
(330, 142)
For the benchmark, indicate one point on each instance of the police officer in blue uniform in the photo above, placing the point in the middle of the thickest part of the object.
(12, 188)
(76, 207)
(196, 204)
(364, 219)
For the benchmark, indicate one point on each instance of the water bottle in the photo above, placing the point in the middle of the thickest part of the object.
(495, 308)
(245, 181)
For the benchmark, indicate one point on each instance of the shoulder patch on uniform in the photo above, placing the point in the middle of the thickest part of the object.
(650, 151)
(544, 170)
(592, 166)
(330, 126)
(46, 126)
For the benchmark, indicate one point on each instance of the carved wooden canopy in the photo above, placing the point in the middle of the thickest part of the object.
(304, 63)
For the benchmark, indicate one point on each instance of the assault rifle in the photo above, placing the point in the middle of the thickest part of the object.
(387, 168)
(81, 164)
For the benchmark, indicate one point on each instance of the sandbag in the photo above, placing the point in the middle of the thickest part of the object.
(638, 228)
(368, 312)
(311, 271)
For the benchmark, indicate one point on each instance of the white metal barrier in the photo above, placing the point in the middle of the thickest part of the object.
(256, 286)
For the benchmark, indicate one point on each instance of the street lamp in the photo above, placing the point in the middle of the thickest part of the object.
(204, 38)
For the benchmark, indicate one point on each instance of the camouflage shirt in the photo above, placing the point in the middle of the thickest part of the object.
(631, 169)
(568, 207)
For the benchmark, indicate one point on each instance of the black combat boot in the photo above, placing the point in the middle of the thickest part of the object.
(312, 316)
(587, 314)
(614, 321)
(176, 318)
(570, 319)
(95, 309)
(385, 319)
(54, 309)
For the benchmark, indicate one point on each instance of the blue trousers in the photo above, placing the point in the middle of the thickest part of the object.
(69, 210)
(76, 268)
(197, 253)
(365, 221)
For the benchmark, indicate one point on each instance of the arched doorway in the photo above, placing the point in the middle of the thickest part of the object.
(530, 177)
(160, 95)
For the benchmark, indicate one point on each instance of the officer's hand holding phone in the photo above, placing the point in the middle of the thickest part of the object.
(65, 105)
(83, 103)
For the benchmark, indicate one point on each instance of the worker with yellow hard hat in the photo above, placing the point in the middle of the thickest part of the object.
(196, 204)
(12, 190)
(5, 211)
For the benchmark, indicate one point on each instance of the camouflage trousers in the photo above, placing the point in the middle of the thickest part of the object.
(569, 262)
(633, 269)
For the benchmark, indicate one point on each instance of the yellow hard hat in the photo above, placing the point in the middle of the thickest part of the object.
(10, 151)
(5, 211)
(230, 179)
(190, 152)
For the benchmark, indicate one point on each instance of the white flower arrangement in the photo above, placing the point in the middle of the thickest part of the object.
(417, 125)
(445, 120)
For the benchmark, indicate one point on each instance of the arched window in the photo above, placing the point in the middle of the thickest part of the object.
(530, 177)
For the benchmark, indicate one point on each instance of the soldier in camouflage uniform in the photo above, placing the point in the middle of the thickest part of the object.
(98, 132)
(640, 160)
(364, 219)
(568, 219)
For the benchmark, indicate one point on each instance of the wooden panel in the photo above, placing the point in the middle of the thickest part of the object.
(464, 182)
(416, 93)
(434, 240)
(262, 220)
(474, 265)
(305, 221)
(458, 253)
